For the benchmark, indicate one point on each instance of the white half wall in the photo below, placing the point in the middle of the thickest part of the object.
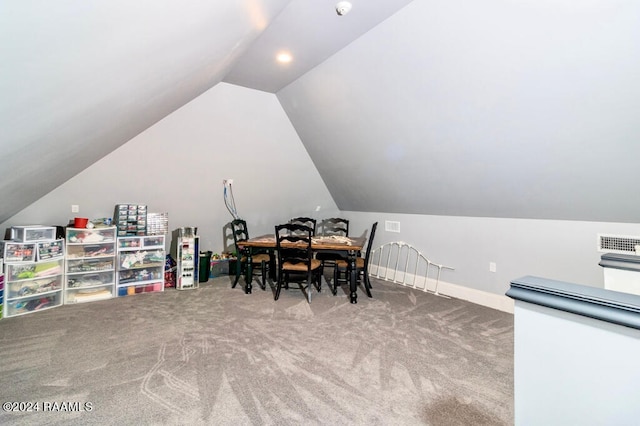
(556, 249)
(583, 371)
(178, 165)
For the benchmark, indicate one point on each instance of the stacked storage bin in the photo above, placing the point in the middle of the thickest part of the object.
(34, 270)
(131, 219)
(140, 264)
(1, 288)
(90, 265)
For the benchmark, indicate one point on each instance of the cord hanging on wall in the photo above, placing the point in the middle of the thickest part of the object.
(229, 201)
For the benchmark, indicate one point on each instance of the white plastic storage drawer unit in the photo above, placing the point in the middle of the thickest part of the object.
(32, 233)
(18, 252)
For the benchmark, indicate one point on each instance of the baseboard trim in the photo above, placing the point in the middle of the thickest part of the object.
(490, 300)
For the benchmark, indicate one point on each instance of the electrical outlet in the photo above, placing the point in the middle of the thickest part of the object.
(75, 208)
(317, 208)
(492, 266)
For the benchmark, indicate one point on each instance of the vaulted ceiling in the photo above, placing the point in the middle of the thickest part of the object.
(79, 79)
(493, 108)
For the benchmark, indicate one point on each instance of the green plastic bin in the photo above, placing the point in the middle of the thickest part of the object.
(203, 270)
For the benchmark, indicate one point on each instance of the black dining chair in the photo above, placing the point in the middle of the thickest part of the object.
(334, 226)
(262, 258)
(295, 259)
(306, 221)
(362, 267)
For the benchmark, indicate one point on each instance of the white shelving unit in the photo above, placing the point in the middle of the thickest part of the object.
(187, 261)
(140, 264)
(90, 264)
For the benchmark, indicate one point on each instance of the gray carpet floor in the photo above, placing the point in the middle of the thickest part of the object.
(215, 356)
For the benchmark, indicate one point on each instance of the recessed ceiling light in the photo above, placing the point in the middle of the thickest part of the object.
(284, 57)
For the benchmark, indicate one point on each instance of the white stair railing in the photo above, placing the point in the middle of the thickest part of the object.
(402, 263)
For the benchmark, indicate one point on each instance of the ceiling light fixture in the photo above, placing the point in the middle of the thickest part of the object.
(284, 57)
(343, 7)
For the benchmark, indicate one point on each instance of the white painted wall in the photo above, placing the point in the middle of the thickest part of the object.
(573, 370)
(554, 249)
(178, 164)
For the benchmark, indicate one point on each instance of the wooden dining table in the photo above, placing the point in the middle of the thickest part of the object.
(348, 245)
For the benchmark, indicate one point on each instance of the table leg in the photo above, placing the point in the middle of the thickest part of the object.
(249, 277)
(272, 265)
(353, 278)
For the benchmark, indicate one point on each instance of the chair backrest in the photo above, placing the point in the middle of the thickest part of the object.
(240, 232)
(306, 221)
(372, 235)
(335, 226)
(293, 233)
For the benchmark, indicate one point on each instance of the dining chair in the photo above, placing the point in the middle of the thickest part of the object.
(263, 258)
(328, 227)
(295, 259)
(334, 226)
(306, 221)
(362, 267)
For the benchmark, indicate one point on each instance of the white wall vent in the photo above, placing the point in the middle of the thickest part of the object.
(617, 244)
(391, 226)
